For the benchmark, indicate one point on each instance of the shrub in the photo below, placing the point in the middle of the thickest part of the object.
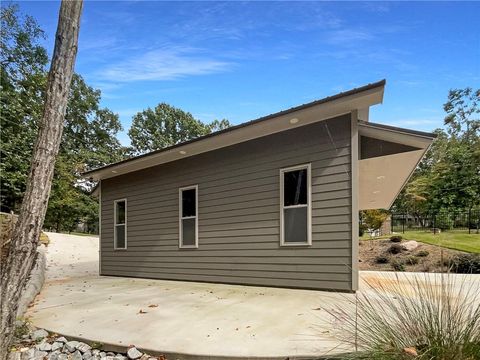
(432, 316)
(423, 253)
(397, 265)
(395, 249)
(382, 259)
(465, 264)
(396, 238)
(411, 260)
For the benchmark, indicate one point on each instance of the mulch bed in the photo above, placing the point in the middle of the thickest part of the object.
(371, 251)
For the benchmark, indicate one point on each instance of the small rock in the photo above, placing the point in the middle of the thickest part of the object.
(40, 354)
(410, 245)
(25, 337)
(44, 346)
(61, 339)
(77, 355)
(102, 354)
(56, 345)
(110, 353)
(96, 352)
(87, 354)
(411, 351)
(83, 347)
(63, 357)
(133, 353)
(109, 357)
(120, 357)
(28, 354)
(14, 355)
(39, 334)
(71, 346)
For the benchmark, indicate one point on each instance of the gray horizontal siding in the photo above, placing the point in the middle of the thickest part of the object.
(238, 214)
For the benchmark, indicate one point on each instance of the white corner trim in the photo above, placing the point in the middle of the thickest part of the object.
(355, 188)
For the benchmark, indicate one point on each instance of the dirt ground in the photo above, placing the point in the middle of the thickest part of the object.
(373, 252)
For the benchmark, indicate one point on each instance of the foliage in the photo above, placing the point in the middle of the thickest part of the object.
(396, 238)
(397, 265)
(165, 125)
(465, 264)
(395, 249)
(422, 253)
(411, 260)
(89, 136)
(373, 219)
(448, 176)
(421, 317)
(382, 259)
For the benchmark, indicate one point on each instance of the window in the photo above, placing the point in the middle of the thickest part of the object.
(295, 206)
(188, 228)
(120, 224)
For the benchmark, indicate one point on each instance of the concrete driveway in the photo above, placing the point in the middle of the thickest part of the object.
(182, 319)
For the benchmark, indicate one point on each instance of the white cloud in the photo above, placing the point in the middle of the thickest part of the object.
(167, 63)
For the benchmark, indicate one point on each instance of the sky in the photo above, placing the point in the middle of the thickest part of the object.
(243, 60)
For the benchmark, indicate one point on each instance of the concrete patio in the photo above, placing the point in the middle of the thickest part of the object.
(183, 319)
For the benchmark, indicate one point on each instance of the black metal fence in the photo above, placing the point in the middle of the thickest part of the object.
(467, 220)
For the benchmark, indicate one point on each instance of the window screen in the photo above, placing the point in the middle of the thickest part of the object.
(188, 217)
(295, 205)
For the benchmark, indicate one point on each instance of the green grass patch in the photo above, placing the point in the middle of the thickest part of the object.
(457, 240)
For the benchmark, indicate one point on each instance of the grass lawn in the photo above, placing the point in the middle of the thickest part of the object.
(458, 240)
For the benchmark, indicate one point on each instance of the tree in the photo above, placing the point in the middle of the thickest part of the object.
(20, 260)
(154, 129)
(448, 177)
(23, 65)
(373, 219)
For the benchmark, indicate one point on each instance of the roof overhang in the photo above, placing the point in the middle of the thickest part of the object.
(381, 178)
(343, 103)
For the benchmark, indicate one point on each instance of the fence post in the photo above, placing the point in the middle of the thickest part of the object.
(469, 219)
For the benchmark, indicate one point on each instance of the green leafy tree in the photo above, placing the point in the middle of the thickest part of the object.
(373, 219)
(165, 125)
(89, 136)
(449, 175)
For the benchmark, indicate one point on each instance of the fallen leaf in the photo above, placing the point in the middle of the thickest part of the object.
(142, 312)
(319, 308)
(410, 351)
(152, 305)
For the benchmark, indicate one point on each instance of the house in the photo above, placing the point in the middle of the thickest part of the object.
(271, 202)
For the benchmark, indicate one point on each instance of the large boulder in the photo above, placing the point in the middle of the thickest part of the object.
(410, 245)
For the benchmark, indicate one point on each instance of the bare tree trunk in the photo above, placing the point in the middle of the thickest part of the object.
(21, 258)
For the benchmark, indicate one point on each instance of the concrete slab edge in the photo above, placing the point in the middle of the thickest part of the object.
(187, 356)
(34, 283)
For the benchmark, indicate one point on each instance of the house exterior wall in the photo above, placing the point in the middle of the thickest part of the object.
(239, 214)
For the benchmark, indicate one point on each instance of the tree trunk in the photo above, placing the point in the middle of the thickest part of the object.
(21, 258)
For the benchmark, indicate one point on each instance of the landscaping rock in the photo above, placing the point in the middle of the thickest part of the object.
(133, 353)
(83, 347)
(71, 346)
(77, 355)
(15, 356)
(61, 339)
(39, 354)
(44, 346)
(57, 345)
(410, 245)
(39, 334)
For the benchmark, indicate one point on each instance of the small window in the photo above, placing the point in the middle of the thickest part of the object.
(188, 227)
(120, 224)
(295, 209)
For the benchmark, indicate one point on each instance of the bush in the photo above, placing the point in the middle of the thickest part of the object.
(397, 265)
(395, 249)
(433, 316)
(411, 260)
(423, 253)
(396, 238)
(465, 264)
(381, 259)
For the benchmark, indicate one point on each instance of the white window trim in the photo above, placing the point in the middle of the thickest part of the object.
(180, 218)
(115, 224)
(308, 205)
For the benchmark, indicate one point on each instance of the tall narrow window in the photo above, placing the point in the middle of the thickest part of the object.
(188, 217)
(295, 206)
(120, 224)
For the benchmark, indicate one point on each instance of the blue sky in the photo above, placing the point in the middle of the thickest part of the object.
(242, 60)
